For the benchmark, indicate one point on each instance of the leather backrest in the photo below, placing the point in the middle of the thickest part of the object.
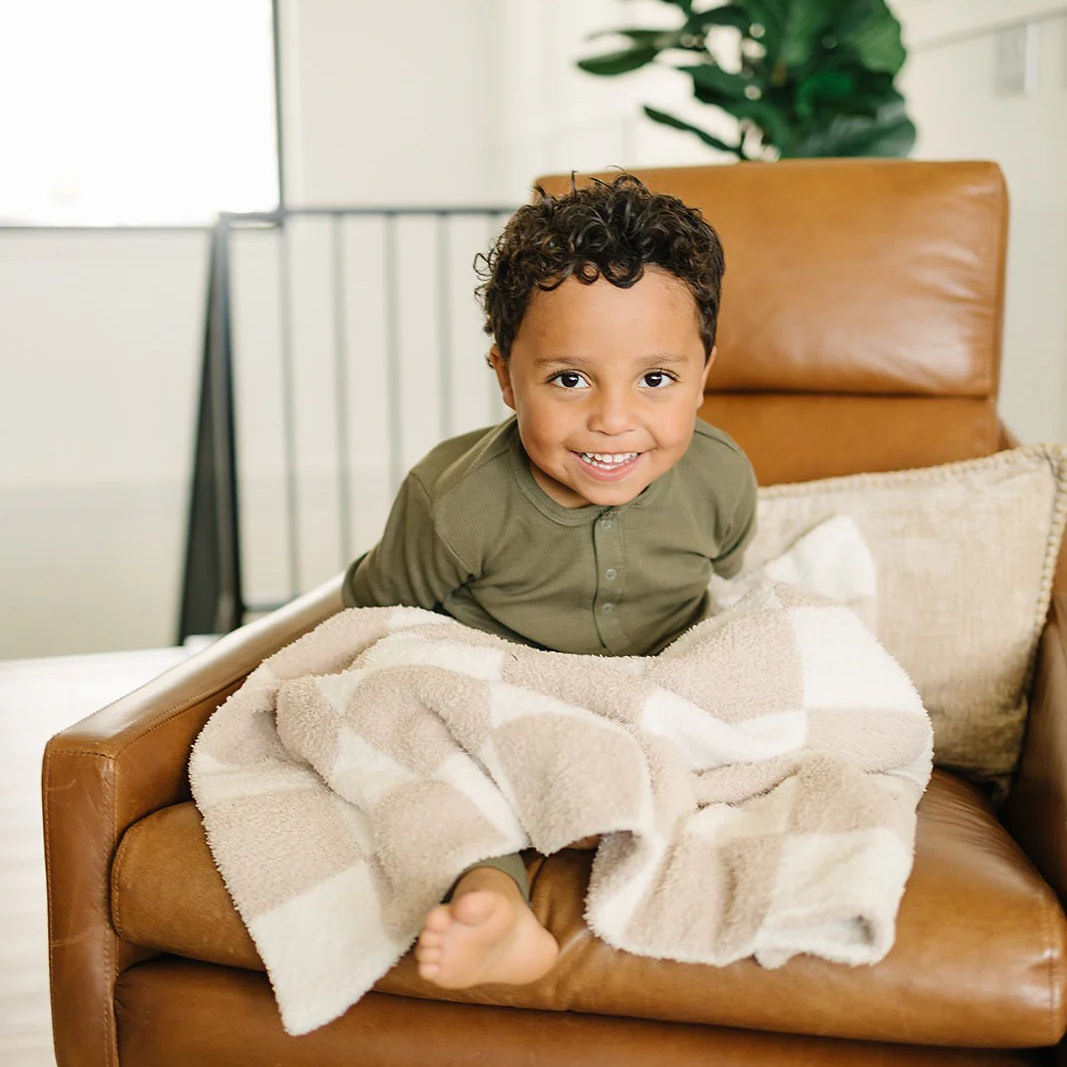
(850, 283)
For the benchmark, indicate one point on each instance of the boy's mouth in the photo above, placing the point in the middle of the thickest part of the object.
(608, 462)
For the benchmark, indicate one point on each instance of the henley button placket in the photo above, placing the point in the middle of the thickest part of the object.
(607, 547)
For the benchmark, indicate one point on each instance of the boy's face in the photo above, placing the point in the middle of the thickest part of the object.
(606, 383)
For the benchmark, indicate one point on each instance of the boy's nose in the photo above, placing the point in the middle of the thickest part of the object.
(612, 413)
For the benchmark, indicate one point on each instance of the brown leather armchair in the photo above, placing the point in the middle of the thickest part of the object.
(860, 332)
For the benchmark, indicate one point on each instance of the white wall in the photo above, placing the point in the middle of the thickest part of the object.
(99, 342)
(453, 103)
(387, 103)
(950, 82)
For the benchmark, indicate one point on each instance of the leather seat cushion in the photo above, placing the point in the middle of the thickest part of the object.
(219, 1016)
(979, 959)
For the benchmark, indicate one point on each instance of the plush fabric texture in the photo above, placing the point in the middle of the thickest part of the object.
(832, 560)
(755, 785)
(964, 555)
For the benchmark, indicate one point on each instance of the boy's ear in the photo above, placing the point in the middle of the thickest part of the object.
(709, 362)
(503, 376)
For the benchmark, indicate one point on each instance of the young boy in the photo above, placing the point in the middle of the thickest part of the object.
(592, 519)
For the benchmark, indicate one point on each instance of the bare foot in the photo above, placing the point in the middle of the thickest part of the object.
(486, 933)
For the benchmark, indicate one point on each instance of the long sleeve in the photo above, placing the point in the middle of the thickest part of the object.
(412, 564)
(739, 530)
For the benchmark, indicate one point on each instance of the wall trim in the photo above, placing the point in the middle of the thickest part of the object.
(933, 23)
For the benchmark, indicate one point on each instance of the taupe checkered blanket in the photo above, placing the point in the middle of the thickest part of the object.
(755, 785)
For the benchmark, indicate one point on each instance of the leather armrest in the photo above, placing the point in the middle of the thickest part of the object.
(104, 774)
(1036, 810)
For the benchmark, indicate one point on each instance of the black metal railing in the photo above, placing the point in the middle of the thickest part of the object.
(361, 255)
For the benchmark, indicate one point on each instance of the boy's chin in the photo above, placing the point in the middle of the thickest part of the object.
(615, 500)
(575, 488)
(609, 496)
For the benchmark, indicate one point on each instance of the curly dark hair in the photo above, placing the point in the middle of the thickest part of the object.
(613, 230)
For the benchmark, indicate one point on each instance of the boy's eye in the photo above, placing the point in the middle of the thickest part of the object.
(656, 379)
(569, 379)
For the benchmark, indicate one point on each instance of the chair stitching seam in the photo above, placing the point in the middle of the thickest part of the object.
(46, 819)
(1054, 968)
(116, 864)
(110, 966)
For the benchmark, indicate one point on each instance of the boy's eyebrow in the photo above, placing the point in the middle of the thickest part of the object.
(579, 361)
(552, 361)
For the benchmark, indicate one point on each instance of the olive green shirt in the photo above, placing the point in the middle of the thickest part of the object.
(473, 535)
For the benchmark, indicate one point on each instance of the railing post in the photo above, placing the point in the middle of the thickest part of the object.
(212, 598)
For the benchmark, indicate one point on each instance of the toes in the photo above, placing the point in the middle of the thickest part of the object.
(428, 954)
(475, 907)
(431, 939)
(437, 920)
(429, 944)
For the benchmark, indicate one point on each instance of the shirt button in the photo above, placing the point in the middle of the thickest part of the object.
(608, 608)
(606, 524)
(611, 574)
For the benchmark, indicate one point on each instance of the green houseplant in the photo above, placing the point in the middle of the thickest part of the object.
(801, 77)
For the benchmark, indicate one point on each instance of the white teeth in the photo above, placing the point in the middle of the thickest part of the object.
(608, 460)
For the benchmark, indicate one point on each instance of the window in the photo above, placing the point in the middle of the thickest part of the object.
(136, 112)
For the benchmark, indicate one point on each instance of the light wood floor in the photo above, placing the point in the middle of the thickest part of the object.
(39, 697)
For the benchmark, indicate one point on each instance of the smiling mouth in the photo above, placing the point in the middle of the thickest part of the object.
(608, 461)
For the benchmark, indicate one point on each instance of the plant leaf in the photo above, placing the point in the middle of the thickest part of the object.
(822, 85)
(869, 29)
(620, 62)
(773, 122)
(722, 89)
(678, 124)
(798, 31)
(821, 88)
(712, 84)
(806, 24)
(820, 103)
(727, 15)
(889, 133)
(769, 15)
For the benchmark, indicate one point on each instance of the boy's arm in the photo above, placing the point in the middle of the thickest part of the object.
(412, 564)
(739, 531)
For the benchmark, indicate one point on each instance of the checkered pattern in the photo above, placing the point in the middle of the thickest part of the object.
(755, 786)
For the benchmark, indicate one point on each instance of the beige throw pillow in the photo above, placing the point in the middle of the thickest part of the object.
(964, 555)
